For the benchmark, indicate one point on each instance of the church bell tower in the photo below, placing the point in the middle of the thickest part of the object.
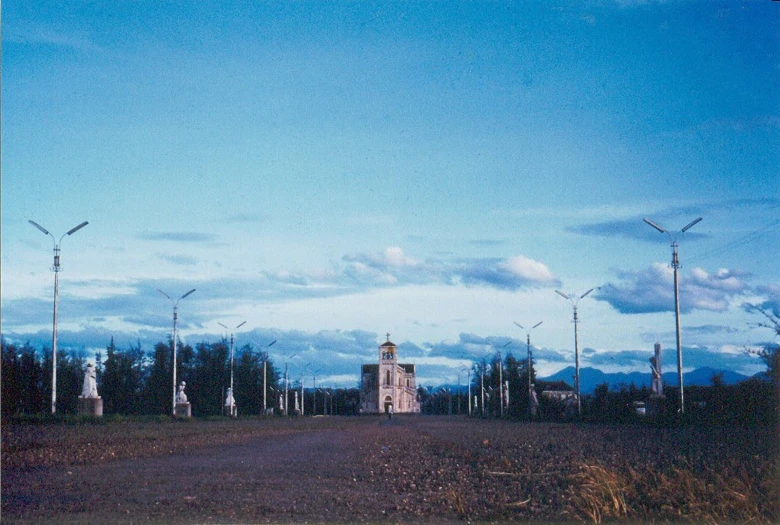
(387, 375)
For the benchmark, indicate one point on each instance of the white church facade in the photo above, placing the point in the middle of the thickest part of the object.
(388, 384)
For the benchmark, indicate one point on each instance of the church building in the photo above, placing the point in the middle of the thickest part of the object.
(388, 383)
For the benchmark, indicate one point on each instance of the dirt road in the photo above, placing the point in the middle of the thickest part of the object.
(369, 469)
(291, 475)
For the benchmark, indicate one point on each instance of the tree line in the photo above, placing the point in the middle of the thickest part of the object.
(754, 401)
(134, 381)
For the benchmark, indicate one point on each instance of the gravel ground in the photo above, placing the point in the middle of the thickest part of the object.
(369, 469)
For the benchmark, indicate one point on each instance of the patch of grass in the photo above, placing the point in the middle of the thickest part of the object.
(680, 493)
(600, 493)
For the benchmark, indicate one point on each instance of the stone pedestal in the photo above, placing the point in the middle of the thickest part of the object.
(655, 406)
(91, 406)
(183, 410)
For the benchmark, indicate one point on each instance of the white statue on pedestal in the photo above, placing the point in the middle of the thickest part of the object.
(229, 401)
(181, 397)
(90, 384)
(534, 402)
(297, 408)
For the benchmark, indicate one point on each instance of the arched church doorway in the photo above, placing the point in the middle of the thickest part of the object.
(388, 403)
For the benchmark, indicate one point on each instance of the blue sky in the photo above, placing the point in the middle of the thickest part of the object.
(332, 171)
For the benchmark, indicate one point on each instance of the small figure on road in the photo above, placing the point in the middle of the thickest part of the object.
(390, 412)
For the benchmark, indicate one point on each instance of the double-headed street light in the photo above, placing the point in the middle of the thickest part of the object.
(676, 266)
(265, 388)
(314, 386)
(232, 392)
(468, 378)
(501, 378)
(303, 375)
(287, 383)
(175, 318)
(482, 366)
(530, 383)
(56, 269)
(574, 299)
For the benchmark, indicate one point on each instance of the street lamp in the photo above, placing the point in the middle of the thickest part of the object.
(303, 375)
(56, 269)
(501, 378)
(482, 388)
(574, 300)
(265, 366)
(468, 378)
(287, 384)
(314, 393)
(530, 383)
(458, 393)
(232, 392)
(327, 403)
(175, 317)
(676, 266)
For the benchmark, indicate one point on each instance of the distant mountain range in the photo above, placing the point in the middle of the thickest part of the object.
(590, 378)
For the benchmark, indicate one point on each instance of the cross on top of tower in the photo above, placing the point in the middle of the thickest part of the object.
(388, 336)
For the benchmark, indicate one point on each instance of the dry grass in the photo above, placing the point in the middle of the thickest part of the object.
(599, 493)
(679, 494)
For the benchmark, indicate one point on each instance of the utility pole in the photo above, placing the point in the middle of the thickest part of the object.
(56, 269)
(468, 378)
(285, 389)
(287, 385)
(265, 384)
(501, 379)
(482, 389)
(675, 267)
(232, 391)
(530, 365)
(574, 300)
(175, 318)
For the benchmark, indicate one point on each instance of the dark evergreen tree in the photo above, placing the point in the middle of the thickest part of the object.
(210, 378)
(10, 386)
(70, 379)
(518, 391)
(123, 380)
(248, 381)
(158, 390)
(32, 380)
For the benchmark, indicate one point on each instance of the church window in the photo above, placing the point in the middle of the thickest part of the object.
(387, 378)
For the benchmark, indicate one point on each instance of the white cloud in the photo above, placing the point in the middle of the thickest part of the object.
(652, 290)
(527, 269)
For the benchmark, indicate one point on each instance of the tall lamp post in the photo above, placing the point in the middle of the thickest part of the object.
(676, 266)
(314, 394)
(468, 378)
(287, 385)
(530, 382)
(482, 388)
(175, 318)
(501, 378)
(303, 375)
(232, 337)
(265, 388)
(574, 299)
(56, 269)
